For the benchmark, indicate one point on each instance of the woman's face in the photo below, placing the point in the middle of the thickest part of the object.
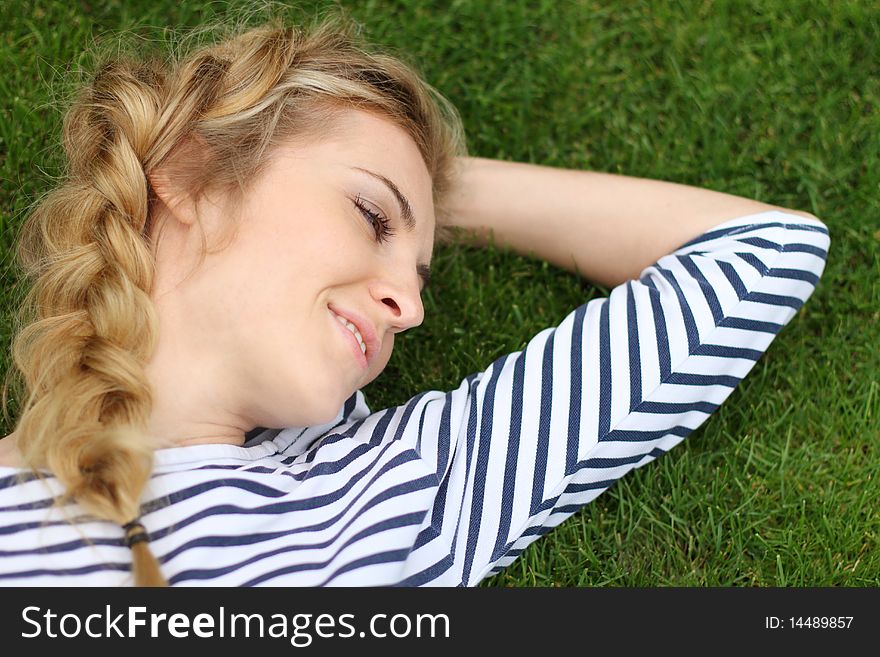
(255, 334)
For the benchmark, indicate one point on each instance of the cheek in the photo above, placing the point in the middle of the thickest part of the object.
(384, 356)
(387, 348)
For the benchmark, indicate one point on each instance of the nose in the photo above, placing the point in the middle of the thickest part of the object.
(401, 301)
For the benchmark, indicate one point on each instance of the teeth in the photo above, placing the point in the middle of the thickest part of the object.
(351, 327)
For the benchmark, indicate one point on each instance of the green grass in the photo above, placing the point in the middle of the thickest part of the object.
(774, 99)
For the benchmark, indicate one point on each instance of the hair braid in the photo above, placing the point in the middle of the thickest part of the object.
(95, 326)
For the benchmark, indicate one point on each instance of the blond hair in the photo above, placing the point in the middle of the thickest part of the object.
(87, 324)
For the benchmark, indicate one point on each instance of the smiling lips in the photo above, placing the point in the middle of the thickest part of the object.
(359, 334)
(351, 327)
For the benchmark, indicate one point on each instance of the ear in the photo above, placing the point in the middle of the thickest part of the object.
(170, 180)
(178, 201)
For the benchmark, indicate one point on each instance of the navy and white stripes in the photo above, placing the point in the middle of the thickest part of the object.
(452, 486)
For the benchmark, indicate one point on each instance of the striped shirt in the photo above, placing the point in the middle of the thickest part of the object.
(451, 487)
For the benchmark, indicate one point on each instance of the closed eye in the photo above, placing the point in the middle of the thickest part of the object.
(381, 225)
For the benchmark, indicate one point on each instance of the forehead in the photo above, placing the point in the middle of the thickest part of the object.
(360, 141)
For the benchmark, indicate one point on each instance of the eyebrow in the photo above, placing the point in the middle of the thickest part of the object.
(409, 220)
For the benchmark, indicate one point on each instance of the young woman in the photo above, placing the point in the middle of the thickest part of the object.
(240, 237)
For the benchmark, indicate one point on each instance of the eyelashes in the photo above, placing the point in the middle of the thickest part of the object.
(381, 225)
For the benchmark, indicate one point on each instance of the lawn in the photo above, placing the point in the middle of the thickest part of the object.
(775, 100)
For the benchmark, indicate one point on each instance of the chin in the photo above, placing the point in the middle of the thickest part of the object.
(326, 408)
(372, 376)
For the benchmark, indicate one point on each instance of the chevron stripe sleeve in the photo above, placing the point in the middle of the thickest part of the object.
(619, 382)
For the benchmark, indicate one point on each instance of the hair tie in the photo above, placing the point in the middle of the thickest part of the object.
(135, 532)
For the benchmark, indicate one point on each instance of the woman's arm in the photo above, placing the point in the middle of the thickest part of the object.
(604, 226)
(621, 380)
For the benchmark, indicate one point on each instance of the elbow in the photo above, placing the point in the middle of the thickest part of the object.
(800, 213)
(813, 218)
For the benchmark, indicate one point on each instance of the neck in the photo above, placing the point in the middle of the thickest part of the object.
(9, 455)
(238, 441)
